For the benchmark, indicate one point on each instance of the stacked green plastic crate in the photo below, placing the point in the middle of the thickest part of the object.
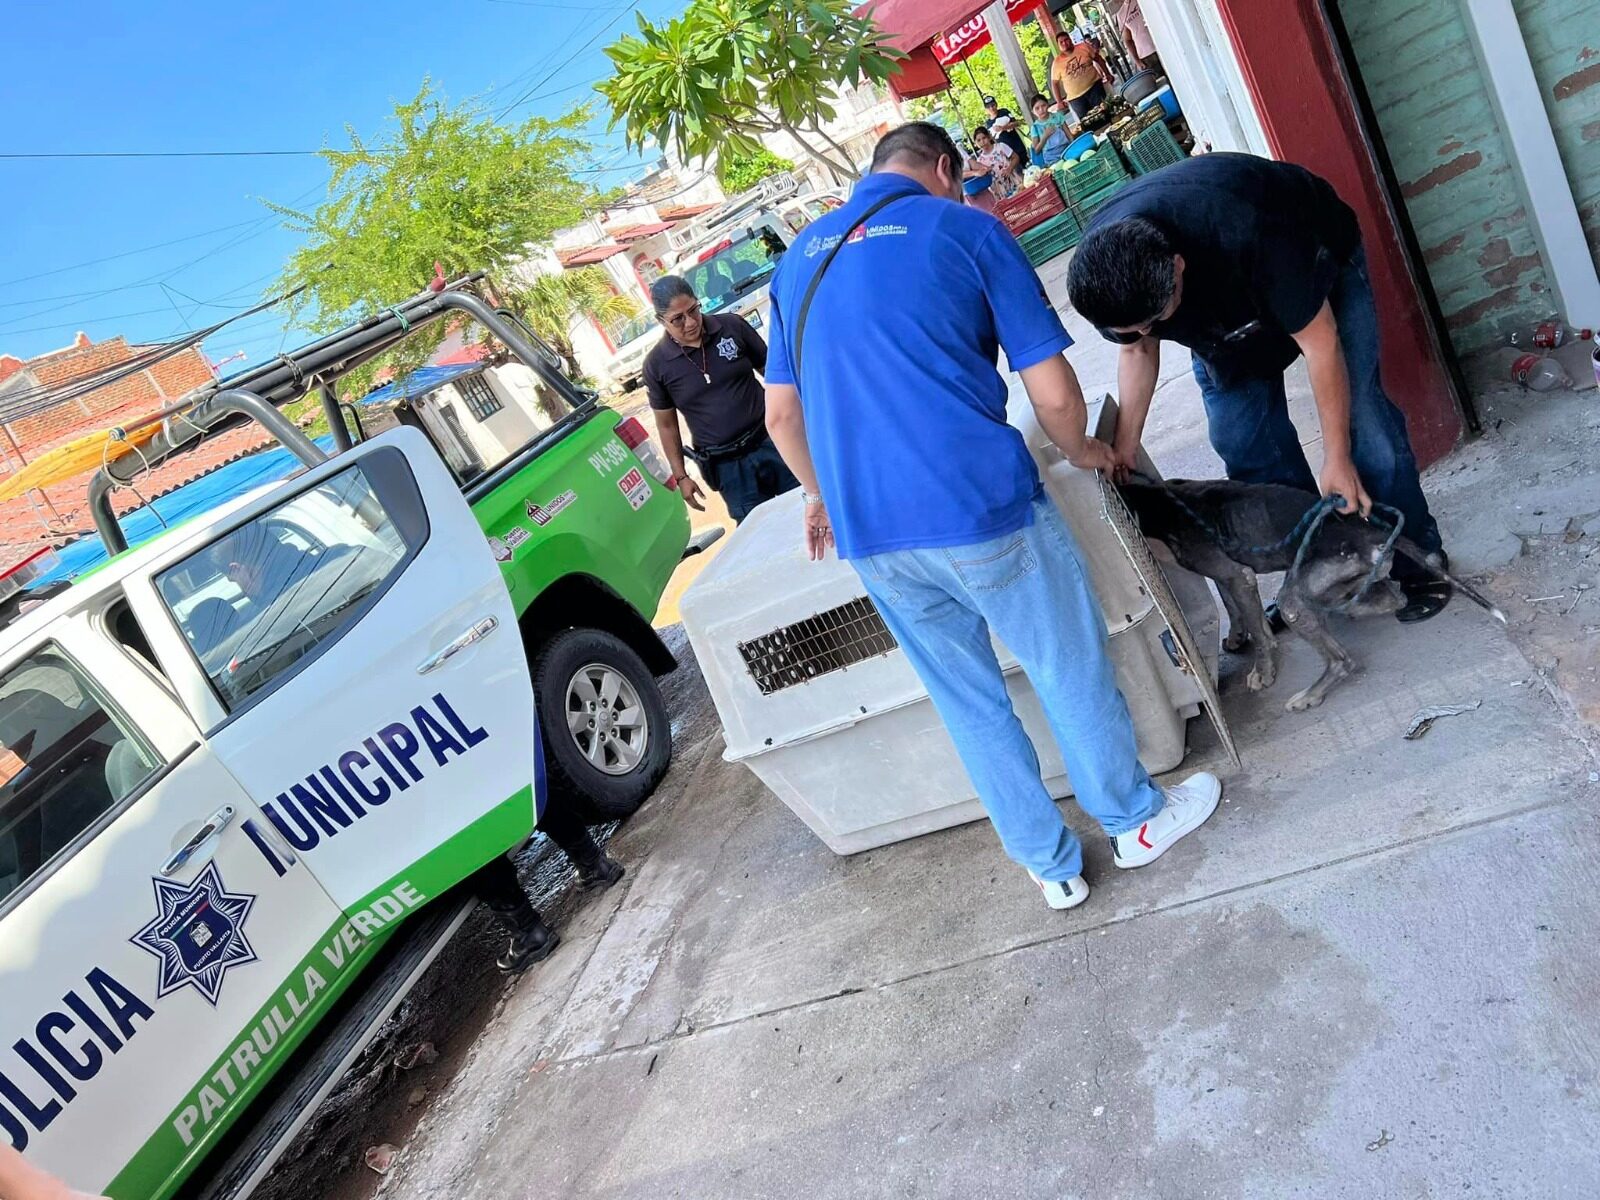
(1152, 148)
(1089, 183)
(1055, 236)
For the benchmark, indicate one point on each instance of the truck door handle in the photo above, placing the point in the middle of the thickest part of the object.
(214, 825)
(470, 637)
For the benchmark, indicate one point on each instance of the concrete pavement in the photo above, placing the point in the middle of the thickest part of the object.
(1370, 975)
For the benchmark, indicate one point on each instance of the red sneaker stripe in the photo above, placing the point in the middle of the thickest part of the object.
(1142, 841)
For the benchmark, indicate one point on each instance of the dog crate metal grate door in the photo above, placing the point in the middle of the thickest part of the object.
(1190, 662)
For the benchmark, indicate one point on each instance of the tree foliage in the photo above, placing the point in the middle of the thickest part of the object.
(550, 302)
(726, 72)
(739, 172)
(446, 185)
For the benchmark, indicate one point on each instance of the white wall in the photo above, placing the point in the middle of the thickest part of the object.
(1200, 63)
(496, 438)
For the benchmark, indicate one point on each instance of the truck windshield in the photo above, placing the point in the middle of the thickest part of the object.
(738, 266)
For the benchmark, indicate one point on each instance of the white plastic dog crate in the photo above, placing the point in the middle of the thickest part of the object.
(816, 698)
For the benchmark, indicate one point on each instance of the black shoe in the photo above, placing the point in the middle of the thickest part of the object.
(1426, 595)
(528, 946)
(1275, 621)
(599, 872)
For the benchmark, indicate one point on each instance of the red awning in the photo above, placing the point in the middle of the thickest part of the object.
(920, 75)
(634, 233)
(966, 39)
(584, 256)
(912, 23)
(936, 34)
(683, 212)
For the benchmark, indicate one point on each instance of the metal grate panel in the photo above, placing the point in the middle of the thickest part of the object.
(1116, 513)
(819, 645)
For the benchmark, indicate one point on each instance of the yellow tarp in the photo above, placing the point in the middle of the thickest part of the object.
(77, 457)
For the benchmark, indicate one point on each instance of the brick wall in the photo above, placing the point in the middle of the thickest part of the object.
(1459, 186)
(133, 396)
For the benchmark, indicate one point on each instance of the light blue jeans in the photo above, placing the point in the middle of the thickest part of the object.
(1030, 588)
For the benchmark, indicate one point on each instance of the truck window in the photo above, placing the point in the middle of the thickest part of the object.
(270, 594)
(738, 265)
(65, 760)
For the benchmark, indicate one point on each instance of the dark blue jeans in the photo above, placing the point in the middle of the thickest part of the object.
(746, 481)
(1250, 427)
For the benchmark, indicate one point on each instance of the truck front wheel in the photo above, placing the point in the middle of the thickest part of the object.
(607, 736)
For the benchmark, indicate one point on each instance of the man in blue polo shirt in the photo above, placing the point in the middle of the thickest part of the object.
(884, 399)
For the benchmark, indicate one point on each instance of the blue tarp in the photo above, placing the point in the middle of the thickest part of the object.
(197, 496)
(420, 382)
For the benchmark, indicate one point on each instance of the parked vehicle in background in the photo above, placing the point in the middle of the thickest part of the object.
(732, 270)
(802, 210)
(625, 368)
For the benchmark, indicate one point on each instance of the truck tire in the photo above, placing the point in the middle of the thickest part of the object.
(607, 737)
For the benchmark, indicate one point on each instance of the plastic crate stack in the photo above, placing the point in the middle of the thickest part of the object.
(1152, 148)
(1089, 183)
(1055, 236)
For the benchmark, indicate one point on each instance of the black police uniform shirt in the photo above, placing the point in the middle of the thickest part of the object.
(713, 385)
(1262, 243)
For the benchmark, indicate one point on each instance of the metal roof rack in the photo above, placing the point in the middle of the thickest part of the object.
(256, 393)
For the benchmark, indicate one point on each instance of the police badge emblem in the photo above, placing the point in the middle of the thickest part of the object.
(197, 934)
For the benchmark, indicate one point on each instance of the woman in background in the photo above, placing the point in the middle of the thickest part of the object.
(1050, 137)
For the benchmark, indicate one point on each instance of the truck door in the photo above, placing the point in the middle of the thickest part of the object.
(152, 963)
(361, 673)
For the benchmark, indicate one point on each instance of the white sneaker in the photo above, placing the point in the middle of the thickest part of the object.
(1063, 893)
(1188, 805)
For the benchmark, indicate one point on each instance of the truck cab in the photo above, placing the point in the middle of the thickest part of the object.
(246, 766)
(232, 763)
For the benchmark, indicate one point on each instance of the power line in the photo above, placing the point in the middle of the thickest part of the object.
(255, 227)
(39, 399)
(568, 61)
(94, 262)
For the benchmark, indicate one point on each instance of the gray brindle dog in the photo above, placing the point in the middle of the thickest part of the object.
(1229, 531)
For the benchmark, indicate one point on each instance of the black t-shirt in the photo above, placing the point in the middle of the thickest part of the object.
(1262, 243)
(733, 401)
(1010, 137)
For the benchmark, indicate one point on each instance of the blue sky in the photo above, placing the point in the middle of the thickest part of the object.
(169, 76)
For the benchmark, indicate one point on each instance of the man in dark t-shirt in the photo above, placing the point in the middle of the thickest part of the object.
(705, 369)
(1251, 263)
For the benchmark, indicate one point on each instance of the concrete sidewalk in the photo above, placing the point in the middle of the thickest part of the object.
(1370, 975)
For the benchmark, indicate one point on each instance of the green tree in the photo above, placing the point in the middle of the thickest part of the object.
(550, 302)
(737, 172)
(727, 72)
(445, 184)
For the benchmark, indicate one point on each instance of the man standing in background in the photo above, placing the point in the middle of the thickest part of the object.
(1078, 75)
(884, 398)
(1136, 36)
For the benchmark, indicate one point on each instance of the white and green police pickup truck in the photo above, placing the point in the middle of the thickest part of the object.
(216, 812)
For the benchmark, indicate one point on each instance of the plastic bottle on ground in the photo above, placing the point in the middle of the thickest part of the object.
(1534, 371)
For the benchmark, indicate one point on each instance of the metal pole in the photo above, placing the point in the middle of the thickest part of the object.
(205, 415)
(1005, 42)
(335, 415)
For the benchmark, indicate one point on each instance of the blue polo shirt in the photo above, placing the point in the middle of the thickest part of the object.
(905, 410)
